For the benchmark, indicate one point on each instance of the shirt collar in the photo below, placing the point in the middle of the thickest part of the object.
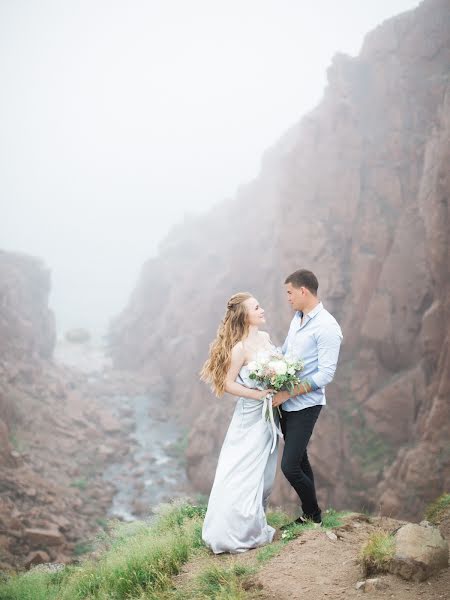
(315, 310)
(312, 313)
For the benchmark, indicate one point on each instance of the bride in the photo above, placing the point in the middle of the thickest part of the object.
(235, 520)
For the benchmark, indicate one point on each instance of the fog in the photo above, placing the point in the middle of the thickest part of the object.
(118, 118)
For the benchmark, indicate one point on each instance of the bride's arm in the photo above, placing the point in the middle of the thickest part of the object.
(231, 386)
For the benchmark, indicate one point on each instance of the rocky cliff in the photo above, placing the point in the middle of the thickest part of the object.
(57, 433)
(27, 326)
(358, 192)
(27, 332)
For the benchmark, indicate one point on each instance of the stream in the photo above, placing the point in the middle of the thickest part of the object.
(153, 472)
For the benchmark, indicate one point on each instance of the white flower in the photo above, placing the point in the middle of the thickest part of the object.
(291, 370)
(279, 366)
(252, 365)
(263, 356)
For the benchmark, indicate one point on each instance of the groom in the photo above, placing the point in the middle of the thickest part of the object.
(314, 337)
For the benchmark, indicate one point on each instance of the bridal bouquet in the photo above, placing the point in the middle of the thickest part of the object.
(277, 372)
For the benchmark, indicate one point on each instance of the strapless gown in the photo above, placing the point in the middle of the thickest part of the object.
(235, 520)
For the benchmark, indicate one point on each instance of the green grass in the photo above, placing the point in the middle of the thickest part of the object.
(32, 586)
(277, 518)
(102, 522)
(134, 560)
(268, 552)
(127, 570)
(437, 509)
(295, 530)
(377, 552)
(178, 448)
(332, 518)
(201, 499)
(224, 584)
(169, 519)
(138, 560)
(82, 548)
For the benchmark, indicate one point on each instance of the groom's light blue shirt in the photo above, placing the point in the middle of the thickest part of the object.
(316, 341)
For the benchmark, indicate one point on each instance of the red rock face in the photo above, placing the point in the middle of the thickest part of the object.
(27, 326)
(57, 432)
(27, 331)
(358, 192)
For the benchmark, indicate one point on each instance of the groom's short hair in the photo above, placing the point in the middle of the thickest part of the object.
(304, 278)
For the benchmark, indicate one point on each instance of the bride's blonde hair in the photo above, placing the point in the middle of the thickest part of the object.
(232, 329)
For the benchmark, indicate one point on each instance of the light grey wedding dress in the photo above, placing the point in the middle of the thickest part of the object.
(235, 520)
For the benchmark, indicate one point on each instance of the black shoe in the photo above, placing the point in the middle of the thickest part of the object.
(316, 524)
(301, 521)
(315, 520)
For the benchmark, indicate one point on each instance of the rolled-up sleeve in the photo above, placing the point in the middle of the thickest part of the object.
(328, 346)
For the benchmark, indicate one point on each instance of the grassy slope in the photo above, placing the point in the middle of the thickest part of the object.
(165, 559)
(139, 560)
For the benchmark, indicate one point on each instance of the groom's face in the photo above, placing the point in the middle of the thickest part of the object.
(296, 296)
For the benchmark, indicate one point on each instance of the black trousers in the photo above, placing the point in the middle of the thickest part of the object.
(297, 427)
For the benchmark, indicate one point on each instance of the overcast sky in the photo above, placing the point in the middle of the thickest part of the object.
(116, 118)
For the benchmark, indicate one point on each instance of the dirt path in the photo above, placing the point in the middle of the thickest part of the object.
(315, 567)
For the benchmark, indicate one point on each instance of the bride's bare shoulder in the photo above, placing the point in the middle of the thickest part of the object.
(238, 349)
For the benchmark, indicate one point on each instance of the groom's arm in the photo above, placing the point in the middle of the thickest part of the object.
(299, 390)
(328, 346)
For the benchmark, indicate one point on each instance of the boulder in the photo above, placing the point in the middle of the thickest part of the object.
(36, 558)
(371, 585)
(109, 423)
(49, 567)
(105, 451)
(78, 336)
(420, 551)
(43, 537)
(62, 522)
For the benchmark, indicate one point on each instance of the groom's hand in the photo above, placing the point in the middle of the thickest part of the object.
(279, 398)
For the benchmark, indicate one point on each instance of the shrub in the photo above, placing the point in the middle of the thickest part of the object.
(377, 552)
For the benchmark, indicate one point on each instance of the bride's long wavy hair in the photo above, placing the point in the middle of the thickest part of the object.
(232, 329)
